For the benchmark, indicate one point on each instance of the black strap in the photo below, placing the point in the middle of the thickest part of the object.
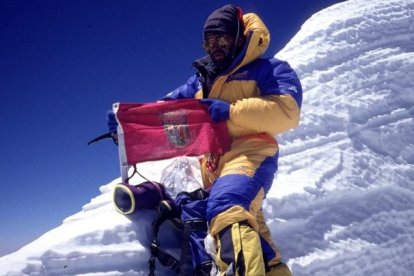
(198, 194)
(151, 263)
(204, 269)
(197, 225)
(165, 258)
(185, 249)
(185, 259)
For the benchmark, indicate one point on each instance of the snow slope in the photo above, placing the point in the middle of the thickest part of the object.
(343, 199)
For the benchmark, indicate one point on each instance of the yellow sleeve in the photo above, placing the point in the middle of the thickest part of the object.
(272, 114)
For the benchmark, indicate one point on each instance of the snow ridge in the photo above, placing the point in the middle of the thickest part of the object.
(350, 164)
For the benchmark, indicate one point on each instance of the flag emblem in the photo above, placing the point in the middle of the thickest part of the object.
(176, 128)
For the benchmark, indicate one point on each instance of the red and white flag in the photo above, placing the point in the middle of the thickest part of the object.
(162, 130)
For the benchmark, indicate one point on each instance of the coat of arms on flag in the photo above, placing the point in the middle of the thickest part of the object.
(176, 128)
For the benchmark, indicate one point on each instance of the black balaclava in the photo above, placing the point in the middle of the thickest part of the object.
(226, 20)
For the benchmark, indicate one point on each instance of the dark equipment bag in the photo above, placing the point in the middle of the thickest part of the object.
(187, 213)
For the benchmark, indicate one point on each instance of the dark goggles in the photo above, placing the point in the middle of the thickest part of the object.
(222, 41)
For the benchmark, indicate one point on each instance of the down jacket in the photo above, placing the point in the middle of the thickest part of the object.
(265, 94)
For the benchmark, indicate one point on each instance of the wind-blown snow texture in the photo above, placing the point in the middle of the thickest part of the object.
(343, 198)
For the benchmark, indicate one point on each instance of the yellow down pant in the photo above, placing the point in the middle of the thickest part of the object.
(243, 177)
(238, 252)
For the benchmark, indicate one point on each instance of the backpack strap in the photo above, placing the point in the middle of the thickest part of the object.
(185, 260)
(192, 226)
(165, 212)
(168, 211)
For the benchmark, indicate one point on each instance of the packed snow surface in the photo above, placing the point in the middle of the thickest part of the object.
(342, 202)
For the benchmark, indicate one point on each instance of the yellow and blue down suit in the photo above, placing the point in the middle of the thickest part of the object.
(265, 97)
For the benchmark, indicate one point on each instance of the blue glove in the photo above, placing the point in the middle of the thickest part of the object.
(111, 120)
(219, 110)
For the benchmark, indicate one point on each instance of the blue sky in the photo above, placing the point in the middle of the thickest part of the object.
(63, 64)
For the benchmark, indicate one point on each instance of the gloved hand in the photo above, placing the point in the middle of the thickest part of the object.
(111, 121)
(219, 110)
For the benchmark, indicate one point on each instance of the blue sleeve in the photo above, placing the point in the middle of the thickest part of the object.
(280, 79)
(185, 91)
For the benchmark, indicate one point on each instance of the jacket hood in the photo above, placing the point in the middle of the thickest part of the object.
(257, 40)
